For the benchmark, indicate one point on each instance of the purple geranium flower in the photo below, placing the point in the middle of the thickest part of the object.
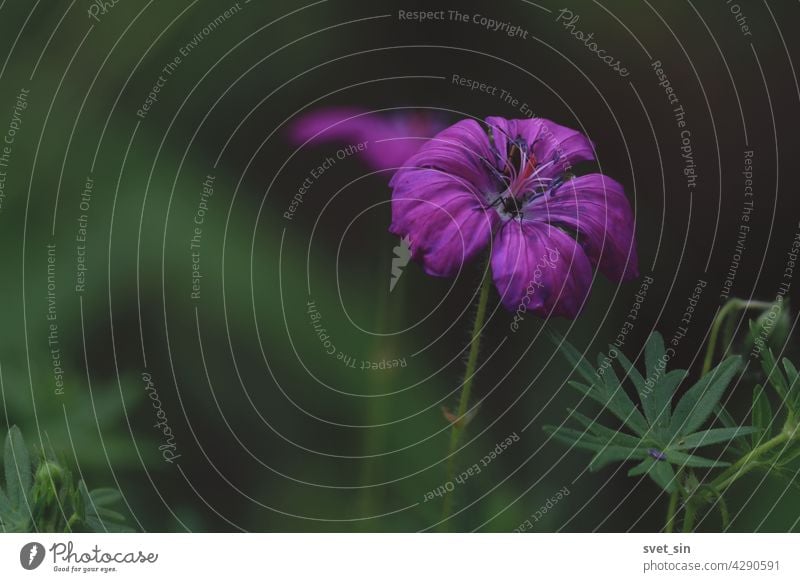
(510, 186)
(391, 138)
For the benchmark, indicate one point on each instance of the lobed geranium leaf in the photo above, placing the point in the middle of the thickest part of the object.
(713, 436)
(605, 389)
(698, 403)
(617, 402)
(662, 434)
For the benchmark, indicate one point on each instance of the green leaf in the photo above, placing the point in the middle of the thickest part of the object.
(610, 436)
(615, 454)
(659, 471)
(685, 460)
(761, 415)
(791, 371)
(617, 402)
(664, 475)
(98, 517)
(109, 514)
(774, 374)
(642, 389)
(613, 396)
(724, 416)
(105, 496)
(654, 353)
(18, 469)
(576, 438)
(575, 358)
(642, 467)
(663, 392)
(793, 388)
(605, 389)
(699, 401)
(631, 372)
(713, 436)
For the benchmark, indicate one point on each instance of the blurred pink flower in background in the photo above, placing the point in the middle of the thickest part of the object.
(391, 137)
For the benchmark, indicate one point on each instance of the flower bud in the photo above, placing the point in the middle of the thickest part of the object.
(770, 329)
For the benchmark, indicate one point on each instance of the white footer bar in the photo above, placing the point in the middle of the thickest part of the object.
(402, 557)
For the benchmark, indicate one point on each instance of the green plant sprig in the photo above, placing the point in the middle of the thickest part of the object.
(42, 496)
(662, 439)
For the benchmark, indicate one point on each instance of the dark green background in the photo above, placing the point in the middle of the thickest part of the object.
(288, 455)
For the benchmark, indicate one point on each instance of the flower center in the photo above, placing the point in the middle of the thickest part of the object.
(511, 205)
(522, 179)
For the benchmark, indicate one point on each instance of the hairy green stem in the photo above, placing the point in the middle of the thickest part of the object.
(466, 388)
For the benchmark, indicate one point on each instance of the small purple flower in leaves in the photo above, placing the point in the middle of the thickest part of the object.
(657, 455)
(509, 187)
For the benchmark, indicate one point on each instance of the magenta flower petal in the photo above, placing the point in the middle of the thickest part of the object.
(446, 223)
(539, 268)
(462, 150)
(595, 207)
(391, 138)
(555, 148)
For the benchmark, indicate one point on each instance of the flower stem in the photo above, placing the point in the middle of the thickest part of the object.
(466, 388)
(724, 513)
(669, 526)
(688, 517)
(374, 439)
